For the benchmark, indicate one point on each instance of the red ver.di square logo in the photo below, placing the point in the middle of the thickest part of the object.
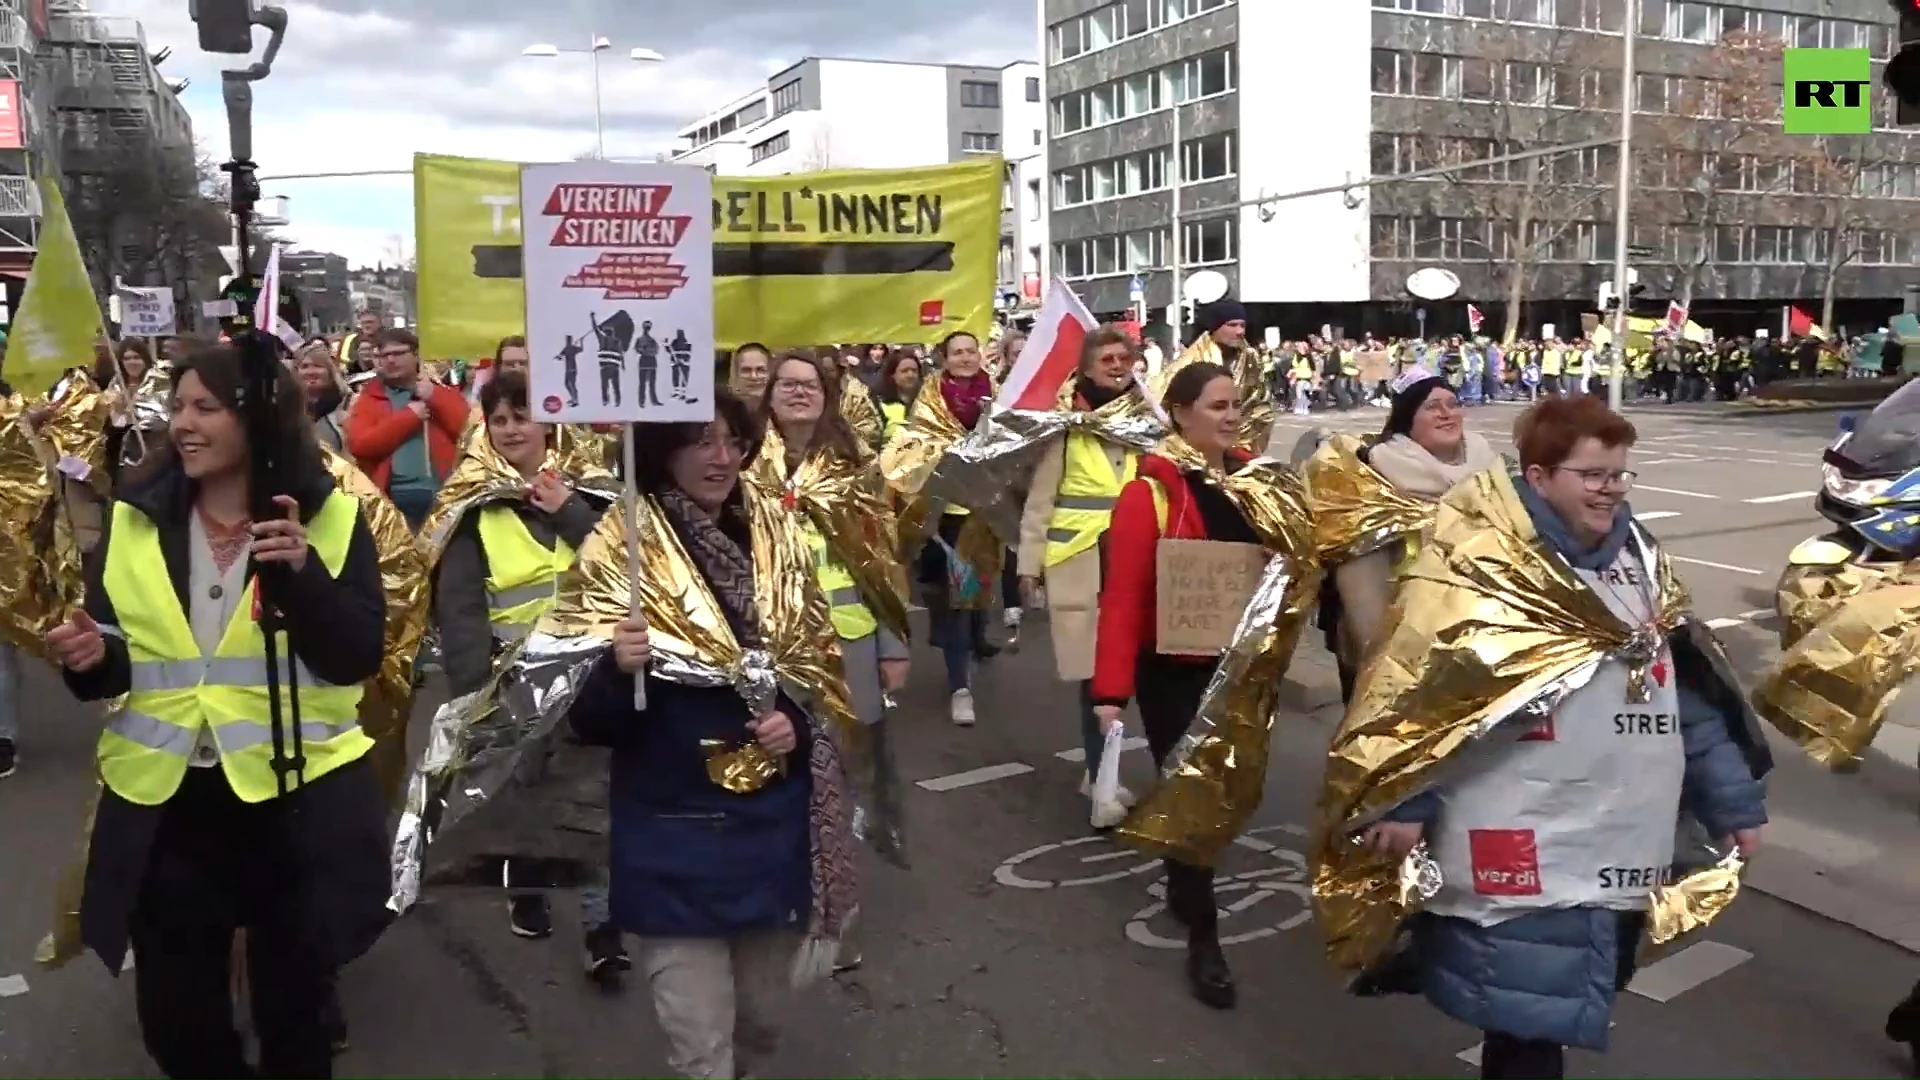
(1506, 862)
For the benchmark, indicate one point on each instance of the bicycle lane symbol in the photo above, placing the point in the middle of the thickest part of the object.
(1095, 860)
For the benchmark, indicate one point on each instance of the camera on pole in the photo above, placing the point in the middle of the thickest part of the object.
(226, 26)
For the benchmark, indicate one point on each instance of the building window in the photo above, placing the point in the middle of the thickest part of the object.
(786, 98)
(1038, 137)
(778, 144)
(1112, 23)
(1202, 76)
(1033, 89)
(979, 142)
(1034, 205)
(1211, 241)
(1205, 159)
(980, 95)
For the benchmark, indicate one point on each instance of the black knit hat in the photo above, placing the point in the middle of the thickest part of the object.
(1410, 392)
(1222, 312)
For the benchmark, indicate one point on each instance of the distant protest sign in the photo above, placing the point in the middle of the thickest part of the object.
(1201, 588)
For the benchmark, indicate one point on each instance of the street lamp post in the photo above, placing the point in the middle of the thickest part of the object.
(593, 52)
(1616, 373)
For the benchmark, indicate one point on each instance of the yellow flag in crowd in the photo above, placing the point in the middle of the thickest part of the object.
(59, 317)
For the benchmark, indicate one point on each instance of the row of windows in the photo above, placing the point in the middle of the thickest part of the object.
(986, 95)
(1202, 243)
(1420, 239)
(979, 142)
(1676, 20)
(761, 151)
(1597, 165)
(786, 98)
(745, 117)
(1213, 157)
(1136, 95)
(1469, 78)
(1118, 21)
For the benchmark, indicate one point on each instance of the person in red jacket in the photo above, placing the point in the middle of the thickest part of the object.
(405, 430)
(1203, 403)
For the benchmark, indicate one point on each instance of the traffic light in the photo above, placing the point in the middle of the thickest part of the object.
(1902, 76)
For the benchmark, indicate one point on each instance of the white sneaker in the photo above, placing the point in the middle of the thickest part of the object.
(1012, 618)
(962, 708)
(1122, 796)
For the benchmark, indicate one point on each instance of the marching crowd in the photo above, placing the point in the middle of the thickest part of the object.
(1494, 835)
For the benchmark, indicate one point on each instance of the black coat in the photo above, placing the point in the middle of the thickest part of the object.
(336, 826)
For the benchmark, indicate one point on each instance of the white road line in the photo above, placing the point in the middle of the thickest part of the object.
(1714, 565)
(1079, 753)
(1788, 497)
(1668, 460)
(1656, 515)
(1687, 969)
(13, 986)
(1674, 491)
(1823, 846)
(1722, 624)
(971, 777)
(1471, 1055)
(1757, 613)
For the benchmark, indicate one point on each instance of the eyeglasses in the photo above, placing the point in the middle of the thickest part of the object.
(796, 386)
(1602, 479)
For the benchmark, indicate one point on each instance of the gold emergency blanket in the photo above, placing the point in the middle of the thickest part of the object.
(478, 739)
(1808, 592)
(1487, 626)
(387, 704)
(1249, 376)
(858, 408)
(1214, 777)
(482, 476)
(1355, 510)
(1829, 692)
(909, 461)
(580, 448)
(847, 501)
(150, 406)
(989, 470)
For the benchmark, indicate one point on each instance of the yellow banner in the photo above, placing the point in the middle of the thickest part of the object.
(851, 255)
(59, 316)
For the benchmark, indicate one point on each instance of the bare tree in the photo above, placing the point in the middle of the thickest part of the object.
(1843, 175)
(150, 214)
(819, 153)
(1710, 152)
(1521, 89)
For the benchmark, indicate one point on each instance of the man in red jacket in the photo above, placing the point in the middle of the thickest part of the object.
(404, 430)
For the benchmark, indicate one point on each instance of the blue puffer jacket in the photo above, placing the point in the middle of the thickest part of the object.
(689, 858)
(1553, 974)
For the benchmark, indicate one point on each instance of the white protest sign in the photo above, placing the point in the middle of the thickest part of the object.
(146, 311)
(618, 264)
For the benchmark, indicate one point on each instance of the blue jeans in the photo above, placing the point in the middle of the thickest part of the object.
(959, 632)
(9, 693)
(414, 505)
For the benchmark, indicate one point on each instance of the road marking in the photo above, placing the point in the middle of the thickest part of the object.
(1823, 846)
(1079, 753)
(1674, 491)
(13, 986)
(1788, 497)
(1687, 969)
(1667, 460)
(1715, 565)
(1757, 613)
(1722, 624)
(971, 777)
(1656, 515)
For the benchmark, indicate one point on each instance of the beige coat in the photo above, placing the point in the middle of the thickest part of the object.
(1073, 587)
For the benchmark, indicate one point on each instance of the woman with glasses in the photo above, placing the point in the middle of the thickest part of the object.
(1373, 499)
(1542, 714)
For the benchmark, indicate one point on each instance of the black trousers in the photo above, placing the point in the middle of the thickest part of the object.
(1168, 691)
(609, 384)
(1507, 1057)
(218, 865)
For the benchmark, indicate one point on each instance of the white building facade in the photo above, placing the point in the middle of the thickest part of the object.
(829, 113)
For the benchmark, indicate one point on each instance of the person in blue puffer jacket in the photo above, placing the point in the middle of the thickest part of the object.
(1535, 957)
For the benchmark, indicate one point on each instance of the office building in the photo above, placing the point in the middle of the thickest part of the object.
(26, 142)
(829, 113)
(1277, 99)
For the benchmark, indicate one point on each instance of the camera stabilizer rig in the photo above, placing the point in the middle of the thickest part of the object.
(226, 26)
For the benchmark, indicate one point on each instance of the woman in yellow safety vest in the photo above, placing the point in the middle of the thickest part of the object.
(899, 382)
(210, 821)
(813, 463)
(494, 579)
(1069, 505)
(1551, 358)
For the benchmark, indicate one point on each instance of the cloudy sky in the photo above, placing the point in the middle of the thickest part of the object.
(363, 84)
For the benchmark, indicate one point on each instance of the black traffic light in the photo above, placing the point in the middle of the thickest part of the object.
(1902, 76)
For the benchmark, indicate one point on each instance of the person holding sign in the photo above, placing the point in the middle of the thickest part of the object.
(1174, 498)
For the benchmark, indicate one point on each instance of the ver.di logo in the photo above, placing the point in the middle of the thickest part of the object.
(1826, 92)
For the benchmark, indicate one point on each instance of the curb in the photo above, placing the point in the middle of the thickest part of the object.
(1756, 408)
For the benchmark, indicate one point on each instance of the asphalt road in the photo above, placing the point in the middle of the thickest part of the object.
(1020, 945)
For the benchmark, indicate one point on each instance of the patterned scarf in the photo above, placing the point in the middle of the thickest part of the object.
(728, 569)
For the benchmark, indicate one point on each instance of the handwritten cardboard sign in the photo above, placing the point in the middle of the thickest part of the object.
(1201, 588)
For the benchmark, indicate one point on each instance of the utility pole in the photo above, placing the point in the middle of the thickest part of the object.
(1174, 230)
(1617, 375)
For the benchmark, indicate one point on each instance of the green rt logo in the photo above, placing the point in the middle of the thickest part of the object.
(1826, 92)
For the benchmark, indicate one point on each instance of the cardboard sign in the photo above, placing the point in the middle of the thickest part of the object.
(1201, 588)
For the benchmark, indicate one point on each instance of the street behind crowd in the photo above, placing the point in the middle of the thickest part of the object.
(1020, 944)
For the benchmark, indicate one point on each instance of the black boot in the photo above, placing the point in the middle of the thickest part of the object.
(1190, 899)
(334, 1019)
(1903, 1024)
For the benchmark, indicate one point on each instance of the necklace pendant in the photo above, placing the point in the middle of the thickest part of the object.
(788, 499)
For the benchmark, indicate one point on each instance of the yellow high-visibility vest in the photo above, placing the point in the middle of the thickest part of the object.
(851, 618)
(1083, 504)
(175, 692)
(521, 572)
(1349, 364)
(1302, 370)
(1576, 362)
(1550, 362)
(895, 415)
